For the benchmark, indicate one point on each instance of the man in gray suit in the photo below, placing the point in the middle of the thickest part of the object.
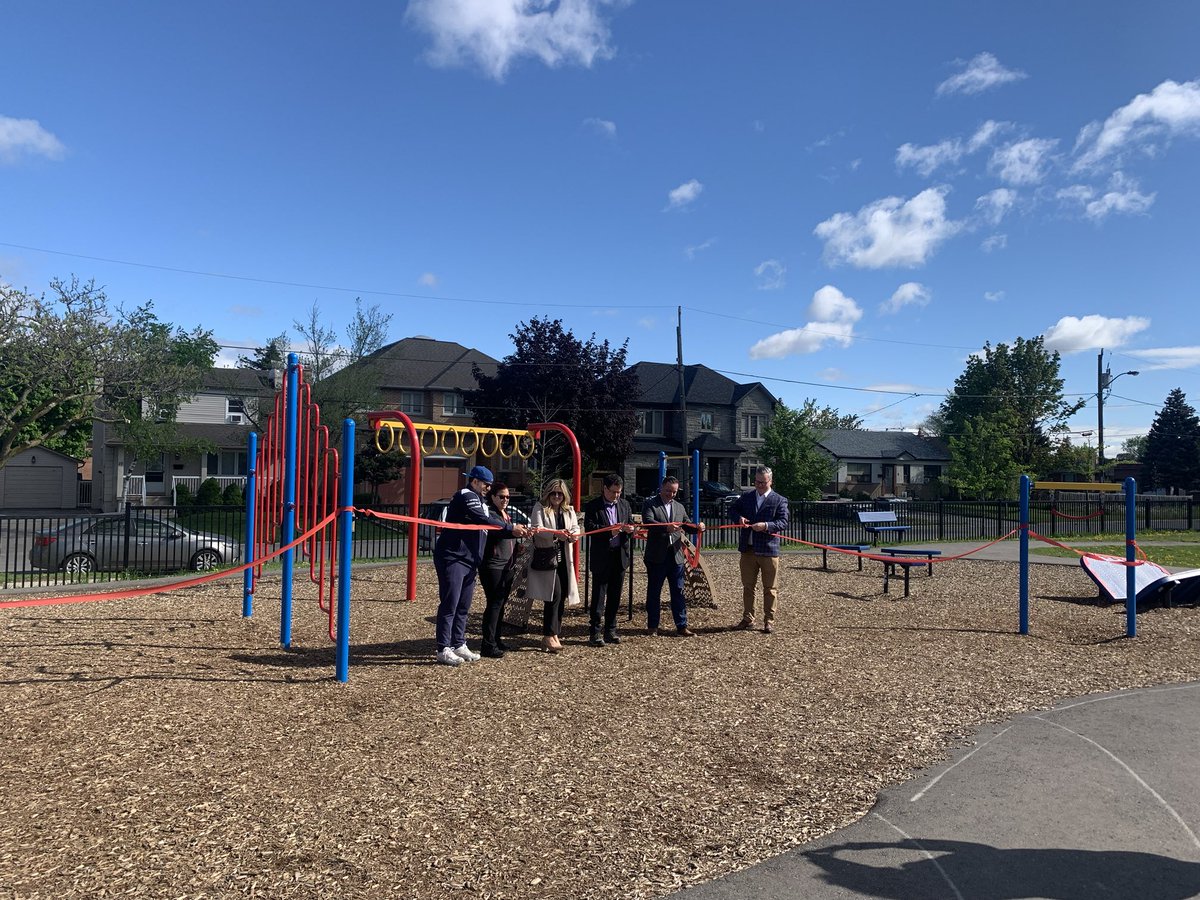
(609, 555)
(664, 555)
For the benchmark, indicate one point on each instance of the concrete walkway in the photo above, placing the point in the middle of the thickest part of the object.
(1096, 798)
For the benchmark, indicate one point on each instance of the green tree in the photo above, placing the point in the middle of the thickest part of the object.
(343, 379)
(1068, 457)
(69, 358)
(376, 468)
(800, 468)
(553, 376)
(982, 464)
(1134, 447)
(827, 418)
(1172, 456)
(265, 359)
(1019, 386)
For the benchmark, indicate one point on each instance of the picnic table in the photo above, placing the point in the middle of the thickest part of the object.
(910, 551)
(857, 548)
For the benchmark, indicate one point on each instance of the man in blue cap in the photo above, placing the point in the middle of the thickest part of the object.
(456, 557)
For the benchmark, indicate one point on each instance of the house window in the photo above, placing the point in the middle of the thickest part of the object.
(412, 403)
(752, 425)
(933, 472)
(235, 405)
(227, 462)
(706, 421)
(858, 473)
(651, 421)
(746, 476)
(453, 404)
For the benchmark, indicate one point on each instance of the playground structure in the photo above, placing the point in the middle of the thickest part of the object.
(299, 482)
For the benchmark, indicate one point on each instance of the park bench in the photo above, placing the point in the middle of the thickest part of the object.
(857, 548)
(881, 521)
(909, 551)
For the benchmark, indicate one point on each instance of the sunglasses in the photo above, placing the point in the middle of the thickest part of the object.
(556, 494)
(501, 496)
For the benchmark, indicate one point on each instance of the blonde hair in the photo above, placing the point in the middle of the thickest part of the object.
(556, 484)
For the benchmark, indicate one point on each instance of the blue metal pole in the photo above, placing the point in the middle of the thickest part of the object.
(662, 467)
(1130, 556)
(1023, 533)
(345, 551)
(289, 496)
(251, 500)
(696, 486)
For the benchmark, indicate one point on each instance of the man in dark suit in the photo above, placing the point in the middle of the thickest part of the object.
(762, 513)
(664, 555)
(609, 555)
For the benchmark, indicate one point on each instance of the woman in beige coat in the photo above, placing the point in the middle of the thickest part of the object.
(556, 587)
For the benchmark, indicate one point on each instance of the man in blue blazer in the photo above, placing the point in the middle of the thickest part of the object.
(664, 555)
(762, 513)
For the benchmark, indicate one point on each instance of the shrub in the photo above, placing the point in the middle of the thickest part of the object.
(209, 493)
(183, 495)
(233, 495)
(862, 495)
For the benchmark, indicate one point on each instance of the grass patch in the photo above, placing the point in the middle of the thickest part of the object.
(1187, 557)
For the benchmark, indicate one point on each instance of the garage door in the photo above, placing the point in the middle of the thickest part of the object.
(32, 487)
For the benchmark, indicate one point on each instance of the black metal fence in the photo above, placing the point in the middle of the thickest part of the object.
(37, 551)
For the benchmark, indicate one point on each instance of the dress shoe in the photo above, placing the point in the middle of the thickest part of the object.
(611, 637)
(595, 640)
(502, 647)
(492, 652)
(557, 643)
(684, 632)
(768, 628)
(548, 645)
(744, 625)
(652, 632)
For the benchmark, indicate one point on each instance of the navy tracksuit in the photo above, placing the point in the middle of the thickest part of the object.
(456, 558)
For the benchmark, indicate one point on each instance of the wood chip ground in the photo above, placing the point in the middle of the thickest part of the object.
(166, 747)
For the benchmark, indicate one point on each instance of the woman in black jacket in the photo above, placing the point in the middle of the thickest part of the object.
(496, 573)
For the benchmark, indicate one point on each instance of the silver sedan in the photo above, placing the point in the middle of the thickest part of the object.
(102, 544)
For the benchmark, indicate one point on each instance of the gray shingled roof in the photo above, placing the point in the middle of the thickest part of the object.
(845, 443)
(244, 381)
(660, 385)
(420, 363)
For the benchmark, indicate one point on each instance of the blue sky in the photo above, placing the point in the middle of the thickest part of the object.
(846, 199)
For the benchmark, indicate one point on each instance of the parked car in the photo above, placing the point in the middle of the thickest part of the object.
(99, 544)
(717, 496)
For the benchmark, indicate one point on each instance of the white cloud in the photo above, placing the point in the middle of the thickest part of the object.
(831, 318)
(239, 309)
(981, 73)
(769, 275)
(647, 322)
(493, 34)
(993, 296)
(1169, 358)
(911, 293)
(1122, 196)
(601, 126)
(930, 157)
(1022, 162)
(1072, 335)
(428, 279)
(889, 232)
(684, 194)
(25, 137)
(993, 242)
(926, 159)
(690, 252)
(831, 374)
(1171, 109)
(995, 205)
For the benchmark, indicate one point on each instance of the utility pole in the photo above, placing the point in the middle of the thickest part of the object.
(1104, 380)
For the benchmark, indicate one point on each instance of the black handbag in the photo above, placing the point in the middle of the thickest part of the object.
(544, 559)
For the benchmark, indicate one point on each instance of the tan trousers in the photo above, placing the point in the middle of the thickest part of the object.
(751, 565)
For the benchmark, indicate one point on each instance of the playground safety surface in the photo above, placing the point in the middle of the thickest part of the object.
(163, 746)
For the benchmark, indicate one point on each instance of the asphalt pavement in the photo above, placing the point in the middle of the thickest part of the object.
(1096, 798)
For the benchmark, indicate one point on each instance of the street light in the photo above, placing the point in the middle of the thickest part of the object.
(1104, 380)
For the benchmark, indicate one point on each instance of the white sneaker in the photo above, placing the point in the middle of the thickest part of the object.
(463, 652)
(447, 657)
